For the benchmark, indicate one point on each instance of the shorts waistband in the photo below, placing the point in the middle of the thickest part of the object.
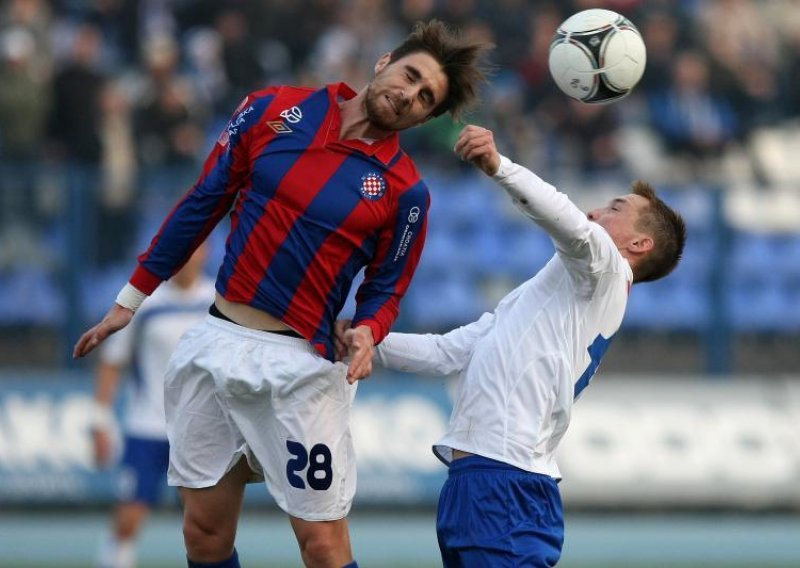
(214, 311)
(479, 462)
(297, 344)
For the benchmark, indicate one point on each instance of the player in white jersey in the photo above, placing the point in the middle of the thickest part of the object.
(145, 348)
(521, 367)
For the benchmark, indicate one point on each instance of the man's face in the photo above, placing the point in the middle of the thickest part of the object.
(619, 218)
(404, 93)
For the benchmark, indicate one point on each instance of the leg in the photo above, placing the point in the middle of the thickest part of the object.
(118, 549)
(323, 544)
(211, 515)
(128, 519)
(140, 480)
(302, 440)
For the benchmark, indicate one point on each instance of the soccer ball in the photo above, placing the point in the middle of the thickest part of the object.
(597, 56)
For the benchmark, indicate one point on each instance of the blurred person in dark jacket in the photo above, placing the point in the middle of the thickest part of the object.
(75, 118)
(167, 120)
(692, 121)
(24, 104)
(24, 100)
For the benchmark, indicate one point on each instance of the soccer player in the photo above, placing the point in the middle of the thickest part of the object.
(521, 367)
(144, 347)
(319, 188)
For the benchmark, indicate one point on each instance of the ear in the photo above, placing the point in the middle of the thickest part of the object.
(641, 244)
(382, 62)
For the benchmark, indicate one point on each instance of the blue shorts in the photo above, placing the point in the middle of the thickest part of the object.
(143, 470)
(494, 514)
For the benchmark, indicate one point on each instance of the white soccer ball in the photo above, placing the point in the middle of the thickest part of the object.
(597, 56)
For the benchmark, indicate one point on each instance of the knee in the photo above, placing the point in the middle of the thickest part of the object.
(321, 550)
(207, 543)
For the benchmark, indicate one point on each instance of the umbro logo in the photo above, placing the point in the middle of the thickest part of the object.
(278, 126)
(292, 115)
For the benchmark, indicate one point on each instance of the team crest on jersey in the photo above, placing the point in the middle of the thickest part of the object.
(373, 186)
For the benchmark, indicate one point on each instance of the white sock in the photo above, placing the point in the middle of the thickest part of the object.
(115, 553)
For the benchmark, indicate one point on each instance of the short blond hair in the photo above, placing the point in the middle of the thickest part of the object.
(668, 231)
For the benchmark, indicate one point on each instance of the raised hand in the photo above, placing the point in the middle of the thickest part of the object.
(475, 144)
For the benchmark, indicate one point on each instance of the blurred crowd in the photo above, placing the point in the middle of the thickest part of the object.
(123, 84)
(127, 96)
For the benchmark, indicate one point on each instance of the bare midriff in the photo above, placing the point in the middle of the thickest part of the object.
(248, 316)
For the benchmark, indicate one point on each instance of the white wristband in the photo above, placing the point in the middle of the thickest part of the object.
(102, 417)
(130, 297)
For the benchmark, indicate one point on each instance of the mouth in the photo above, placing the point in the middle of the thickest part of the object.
(393, 105)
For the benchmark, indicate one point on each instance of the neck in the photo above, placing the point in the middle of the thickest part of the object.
(355, 123)
(632, 262)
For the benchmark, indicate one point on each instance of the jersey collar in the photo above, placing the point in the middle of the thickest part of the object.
(384, 149)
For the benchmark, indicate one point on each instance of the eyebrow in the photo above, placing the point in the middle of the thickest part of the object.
(618, 201)
(413, 71)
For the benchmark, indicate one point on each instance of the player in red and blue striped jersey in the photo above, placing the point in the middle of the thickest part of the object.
(308, 212)
(317, 188)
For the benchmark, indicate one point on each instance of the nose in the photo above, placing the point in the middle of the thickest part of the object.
(591, 215)
(404, 97)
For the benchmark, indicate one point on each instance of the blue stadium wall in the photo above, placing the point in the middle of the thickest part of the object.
(634, 442)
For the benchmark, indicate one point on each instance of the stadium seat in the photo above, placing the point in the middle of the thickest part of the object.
(99, 287)
(29, 296)
(668, 305)
(523, 250)
(441, 302)
(758, 303)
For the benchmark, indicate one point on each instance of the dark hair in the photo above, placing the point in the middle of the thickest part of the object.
(668, 231)
(461, 60)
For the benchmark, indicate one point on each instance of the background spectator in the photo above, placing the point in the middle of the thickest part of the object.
(105, 108)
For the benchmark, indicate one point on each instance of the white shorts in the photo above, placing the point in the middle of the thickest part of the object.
(231, 391)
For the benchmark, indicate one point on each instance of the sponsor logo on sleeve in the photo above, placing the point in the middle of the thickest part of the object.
(233, 126)
(408, 233)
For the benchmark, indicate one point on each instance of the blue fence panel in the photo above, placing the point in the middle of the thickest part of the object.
(46, 453)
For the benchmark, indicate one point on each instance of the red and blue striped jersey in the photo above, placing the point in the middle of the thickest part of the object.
(308, 212)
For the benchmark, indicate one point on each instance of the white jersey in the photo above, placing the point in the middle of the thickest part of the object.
(146, 346)
(521, 367)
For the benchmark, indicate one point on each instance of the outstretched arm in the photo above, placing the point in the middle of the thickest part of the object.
(433, 354)
(553, 211)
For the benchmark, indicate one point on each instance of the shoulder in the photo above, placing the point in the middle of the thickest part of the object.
(605, 254)
(599, 261)
(403, 173)
(264, 97)
(272, 90)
